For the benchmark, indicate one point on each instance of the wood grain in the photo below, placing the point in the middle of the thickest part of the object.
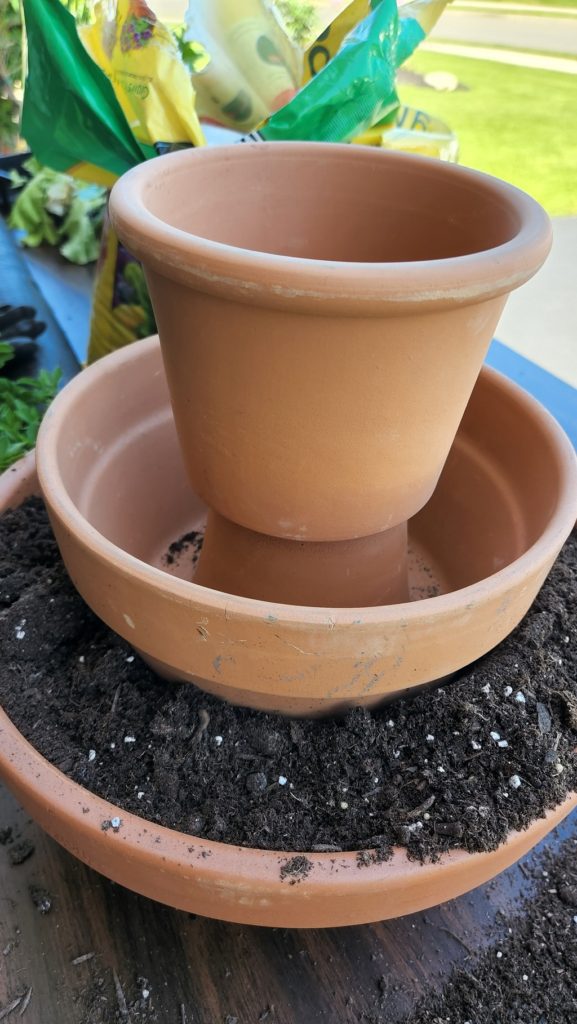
(208, 970)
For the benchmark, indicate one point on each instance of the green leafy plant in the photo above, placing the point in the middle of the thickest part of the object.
(298, 17)
(11, 77)
(22, 405)
(10, 72)
(193, 54)
(59, 210)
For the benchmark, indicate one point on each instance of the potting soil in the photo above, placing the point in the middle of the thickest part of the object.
(456, 766)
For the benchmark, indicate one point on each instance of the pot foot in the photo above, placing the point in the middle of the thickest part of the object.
(359, 573)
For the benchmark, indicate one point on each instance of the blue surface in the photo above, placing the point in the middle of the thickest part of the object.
(557, 396)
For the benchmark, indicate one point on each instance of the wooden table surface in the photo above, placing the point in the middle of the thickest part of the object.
(199, 971)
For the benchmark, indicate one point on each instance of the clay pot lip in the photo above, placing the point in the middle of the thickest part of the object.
(297, 616)
(38, 776)
(278, 279)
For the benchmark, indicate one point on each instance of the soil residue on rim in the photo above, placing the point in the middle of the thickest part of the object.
(456, 766)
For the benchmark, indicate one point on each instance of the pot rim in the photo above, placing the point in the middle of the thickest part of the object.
(300, 616)
(249, 275)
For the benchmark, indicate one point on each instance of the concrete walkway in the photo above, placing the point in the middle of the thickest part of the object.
(516, 30)
(540, 319)
(566, 65)
(498, 7)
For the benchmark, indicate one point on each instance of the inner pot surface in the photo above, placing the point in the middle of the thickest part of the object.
(118, 496)
(370, 213)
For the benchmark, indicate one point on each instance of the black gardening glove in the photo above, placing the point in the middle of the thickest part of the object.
(19, 328)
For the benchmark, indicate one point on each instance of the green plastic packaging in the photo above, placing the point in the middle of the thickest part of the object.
(356, 89)
(70, 114)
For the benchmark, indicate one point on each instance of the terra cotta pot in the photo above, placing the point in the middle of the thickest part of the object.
(228, 882)
(111, 472)
(323, 312)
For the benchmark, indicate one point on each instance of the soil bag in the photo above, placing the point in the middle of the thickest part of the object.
(255, 54)
(71, 118)
(121, 307)
(149, 78)
(413, 131)
(356, 88)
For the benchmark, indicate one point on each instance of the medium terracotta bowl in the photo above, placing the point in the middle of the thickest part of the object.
(111, 473)
(233, 883)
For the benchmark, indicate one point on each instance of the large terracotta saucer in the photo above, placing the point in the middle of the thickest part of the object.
(229, 882)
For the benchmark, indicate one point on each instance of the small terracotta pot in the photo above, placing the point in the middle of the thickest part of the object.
(112, 476)
(324, 312)
(233, 883)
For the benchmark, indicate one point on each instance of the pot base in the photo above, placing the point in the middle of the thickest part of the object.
(348, 573)
(118, 496)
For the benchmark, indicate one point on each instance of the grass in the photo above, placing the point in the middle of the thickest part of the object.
(516, 123)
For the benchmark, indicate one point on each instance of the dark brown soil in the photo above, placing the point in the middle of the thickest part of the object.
(458, 766)
(190, 544)
(531, 976)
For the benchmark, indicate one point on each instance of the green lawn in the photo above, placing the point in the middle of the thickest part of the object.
(516, 123)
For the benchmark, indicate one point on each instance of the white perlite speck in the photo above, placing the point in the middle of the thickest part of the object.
(91, 755)
(495, 736)
(344, 805)
(20, 631)
(218, 740)
(430, 738)
(391, 724)
(515, 781)
(130, 658)
(282, 780)
(508, 691)
(140, 794)
(441, 769)
(520, 698)
(115, 822)
(475, 745)
(130, 739)
(503, 744)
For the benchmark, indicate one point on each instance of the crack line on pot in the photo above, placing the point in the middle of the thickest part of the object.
(295, 647)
